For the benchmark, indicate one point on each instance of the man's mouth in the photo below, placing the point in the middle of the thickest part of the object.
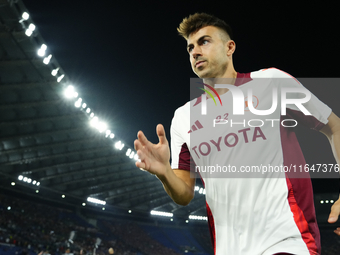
(199, 63)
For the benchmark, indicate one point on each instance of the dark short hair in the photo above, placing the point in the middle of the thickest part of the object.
(196, 21)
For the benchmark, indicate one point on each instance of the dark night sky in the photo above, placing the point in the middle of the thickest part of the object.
(129, 64)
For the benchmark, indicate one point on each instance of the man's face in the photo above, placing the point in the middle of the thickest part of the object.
(208, 53)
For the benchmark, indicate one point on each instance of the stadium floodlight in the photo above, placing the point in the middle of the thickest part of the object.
(121, 146)
(37, 191)
(128, 152)
(31, 27)
(25, 179)
(101, 126)
(186, 221)
(28, 32)
(103, 208)
(197, 188)
(107, 133)
(63, 196)
(83, 105)
(13, 183)
(55, 71)
(118, 144)
(332, 201)
(29, 180)
(326, 201)
(129, 211)
(60, 77)
(38, 183)
(200, 191)
(20, 177)
(83, 204)
(112, 135)
(25, 16)
(92, 115)
(163, 214)
(9, 208)
(77, 104)
(47, 59)
(42, 51)
(171, 219)
(94, 121)
(88, 110)
(132, 154)
(96, 201)
(68, 92)
(34, 182)
(135, 157)
(196, 217)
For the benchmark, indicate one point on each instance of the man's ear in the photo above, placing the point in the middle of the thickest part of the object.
(230, 47)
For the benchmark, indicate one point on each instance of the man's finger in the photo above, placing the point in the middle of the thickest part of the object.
(142, 138)
(161, 134)
(333, 216)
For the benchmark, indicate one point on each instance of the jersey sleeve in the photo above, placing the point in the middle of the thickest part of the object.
(180, 154)
(319, 111)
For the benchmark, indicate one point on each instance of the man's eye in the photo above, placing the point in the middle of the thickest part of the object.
(190, 49)
(205, 41)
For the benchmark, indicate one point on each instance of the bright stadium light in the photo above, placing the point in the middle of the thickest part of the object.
(60, 77)
(92, 115)
(135, 157)
(128, 152)
(94, 121)
(37, 191)
(28, 32)
(83, 105)
(196, 217)
(34, 182)
(77, 104)
(118, 144)
(31, 27)
(96, 201)
(69, 91)
(20, 177)
(38, 183)
(83, 204)
(112, 135)
(63, 196)
(88, 110)
(25, 179)
(55, 71)
(132, 154)
(163, 214)
(29, 180)
(101, 126)
(107, 133)
(47, 59)
(25, 16)
(197, 188)
(13, 183)
(42, 51)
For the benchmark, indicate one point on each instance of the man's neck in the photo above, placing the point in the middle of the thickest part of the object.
(226, 79)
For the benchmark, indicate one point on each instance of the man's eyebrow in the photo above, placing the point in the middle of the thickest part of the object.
(198, 40)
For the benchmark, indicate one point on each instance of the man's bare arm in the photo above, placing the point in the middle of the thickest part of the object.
(332, 131)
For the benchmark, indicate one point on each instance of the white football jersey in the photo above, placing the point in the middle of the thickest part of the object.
(254, 205)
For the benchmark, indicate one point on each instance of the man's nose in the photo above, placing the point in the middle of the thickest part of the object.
(196, 52)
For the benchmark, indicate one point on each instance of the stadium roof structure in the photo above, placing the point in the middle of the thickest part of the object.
(46, 139)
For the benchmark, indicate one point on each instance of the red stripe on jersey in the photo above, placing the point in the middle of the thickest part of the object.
(300, 189)
(211, 224)
(300, 220)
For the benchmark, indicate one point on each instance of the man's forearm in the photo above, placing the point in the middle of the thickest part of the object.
(177, 189)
